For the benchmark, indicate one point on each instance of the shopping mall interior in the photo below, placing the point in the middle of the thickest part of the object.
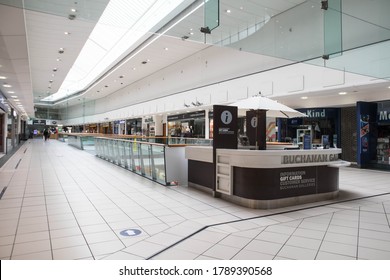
(194, 130)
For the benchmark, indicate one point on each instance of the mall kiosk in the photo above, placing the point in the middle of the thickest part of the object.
(261, 177)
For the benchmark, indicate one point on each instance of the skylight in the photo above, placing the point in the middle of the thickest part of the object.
(121, 25)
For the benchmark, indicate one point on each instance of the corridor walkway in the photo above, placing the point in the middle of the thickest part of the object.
(62, 203)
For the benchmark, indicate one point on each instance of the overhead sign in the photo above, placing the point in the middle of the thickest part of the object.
(43, 122)
(192, 115)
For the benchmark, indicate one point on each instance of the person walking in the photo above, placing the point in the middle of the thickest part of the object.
(46, 134)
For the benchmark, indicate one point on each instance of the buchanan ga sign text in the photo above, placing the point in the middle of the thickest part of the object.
(314, 158)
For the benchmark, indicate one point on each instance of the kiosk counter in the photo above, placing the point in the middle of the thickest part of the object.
(265, 179)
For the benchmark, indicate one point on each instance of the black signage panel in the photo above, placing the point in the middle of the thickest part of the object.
(277, 183)
(225, 127)
(43, 122)
(192, 115)
(256, 122)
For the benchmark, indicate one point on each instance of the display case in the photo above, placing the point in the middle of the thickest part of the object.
(301, 135)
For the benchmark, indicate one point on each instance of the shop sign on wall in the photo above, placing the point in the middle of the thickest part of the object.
(364, 132)
(384, 112)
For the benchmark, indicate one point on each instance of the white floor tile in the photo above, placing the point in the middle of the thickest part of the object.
(144, 249)
(31, 247)
(69, 241)
(265, 247)
(72, 253)
(235, 241)
(194, 246)
(29, 237)
(338, 248)
(297, 253)
(108, 247)
(45, 255)
(373, 254)
(329, 256)
(176, 254)
(98, 237)
(252, 255)
(221, 252)
(273, 237)
(304, 242)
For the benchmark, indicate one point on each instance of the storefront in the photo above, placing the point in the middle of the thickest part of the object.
(134, 126)
(91, 128)
(321, 124)
(120, 127)
(187, 125)
(373, 131)
(383, 146)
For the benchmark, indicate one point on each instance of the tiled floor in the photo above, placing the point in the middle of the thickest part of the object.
(62, 203)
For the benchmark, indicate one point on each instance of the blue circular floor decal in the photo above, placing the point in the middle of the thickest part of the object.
(130, 232)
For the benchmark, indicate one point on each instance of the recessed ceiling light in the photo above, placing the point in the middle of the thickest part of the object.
(3, 78)
(228, 11)
(166, 49)
(7, 86)
(342, 93)
(58, 59)
(134, 68)
(73, 10)
(67, 33)
(304, 97)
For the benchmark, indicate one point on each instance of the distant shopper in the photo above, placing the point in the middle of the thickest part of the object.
(46, 134)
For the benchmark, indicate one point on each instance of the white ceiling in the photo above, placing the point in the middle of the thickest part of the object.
(30, 39)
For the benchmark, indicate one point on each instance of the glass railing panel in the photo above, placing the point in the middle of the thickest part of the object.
(110, 154)
(147, 160)
(128, 156)
(158, 160)
(121, 150)
(104, 149)
(136, 156)
(115, 145)
(97, 147)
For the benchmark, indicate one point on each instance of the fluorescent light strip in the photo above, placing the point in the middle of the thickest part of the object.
(134, 54)
(121, 25)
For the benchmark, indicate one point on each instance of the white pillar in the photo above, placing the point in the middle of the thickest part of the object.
(207, 120)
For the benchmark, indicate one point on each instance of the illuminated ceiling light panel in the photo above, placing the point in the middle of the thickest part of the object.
(121, 25)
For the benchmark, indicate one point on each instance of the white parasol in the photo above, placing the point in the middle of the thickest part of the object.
(274, 109)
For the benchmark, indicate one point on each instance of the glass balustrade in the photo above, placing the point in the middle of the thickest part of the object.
(143, 158)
